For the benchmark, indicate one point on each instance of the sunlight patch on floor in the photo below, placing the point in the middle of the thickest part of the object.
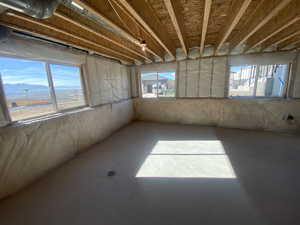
(187, 159)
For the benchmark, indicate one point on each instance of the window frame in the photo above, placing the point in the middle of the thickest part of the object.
(285, 91)
(157, 96)
(53, 99)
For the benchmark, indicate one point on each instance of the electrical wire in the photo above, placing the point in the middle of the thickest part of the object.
(122, 21)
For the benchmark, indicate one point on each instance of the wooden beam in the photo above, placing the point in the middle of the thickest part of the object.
(133, 26)
(105, 19)
(150, 23)
(233, 21)
(288, 43)
(283, 39)
(276, 31)
(176, 18)
(297, 46)
(70, 20)
(206, 14)
(55, 39)
(34, 21)
(263, 22)
(34, 33)
(119, 29)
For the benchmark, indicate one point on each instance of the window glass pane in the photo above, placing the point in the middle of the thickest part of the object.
(26, 88)
(166, 84)
(268, 81)
(149, 85)
(67, 86)
(242, 80)
(271, 80)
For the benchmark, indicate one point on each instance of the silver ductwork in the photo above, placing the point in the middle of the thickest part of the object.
(41, 9)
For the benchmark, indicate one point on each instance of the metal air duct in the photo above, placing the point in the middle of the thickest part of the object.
(41, 9)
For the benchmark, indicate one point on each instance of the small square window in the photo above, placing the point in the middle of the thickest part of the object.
(158, 85)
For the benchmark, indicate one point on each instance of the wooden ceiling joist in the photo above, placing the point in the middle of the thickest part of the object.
(248, 33)
(119, 29)
(233, 20)
(93, 11)
(206, 14)
(282, 40)
(88, 29)
(51, 27)
(289, 43)
(56, 39)
(150, 23)
(176, 18)
(133, 27)
(276, 31)
(297, 46)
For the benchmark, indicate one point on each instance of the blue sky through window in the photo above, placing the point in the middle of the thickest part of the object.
(21, 71)
(170, 75)
(237, 68)
(65, 76)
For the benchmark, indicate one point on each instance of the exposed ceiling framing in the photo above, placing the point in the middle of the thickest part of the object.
(100, 35)
(285, 39)
(206, 14)
(176, 17)
(117, 28)
(150, 23)
(50, 27)
(276, 31)
(237, 11)
(290, 42)
(261, 19)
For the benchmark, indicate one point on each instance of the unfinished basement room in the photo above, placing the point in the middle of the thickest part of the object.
(149, 112)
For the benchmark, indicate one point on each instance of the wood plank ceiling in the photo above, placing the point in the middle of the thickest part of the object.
(115, 28)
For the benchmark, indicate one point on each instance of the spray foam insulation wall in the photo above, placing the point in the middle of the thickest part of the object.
(202, 77)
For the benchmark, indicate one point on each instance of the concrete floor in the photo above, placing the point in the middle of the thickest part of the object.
(166, 175)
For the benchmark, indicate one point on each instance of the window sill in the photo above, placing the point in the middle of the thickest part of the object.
(49, 116)
(223, 98)
(159, 98)
(256, 97)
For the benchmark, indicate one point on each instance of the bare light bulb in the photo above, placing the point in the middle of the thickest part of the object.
(143, 45)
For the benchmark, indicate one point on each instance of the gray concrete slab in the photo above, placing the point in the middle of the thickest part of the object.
(169, 174)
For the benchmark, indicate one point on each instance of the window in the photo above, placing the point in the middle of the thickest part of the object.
(67, 86)
(35, 88)
(158, 85)
(258, 80)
